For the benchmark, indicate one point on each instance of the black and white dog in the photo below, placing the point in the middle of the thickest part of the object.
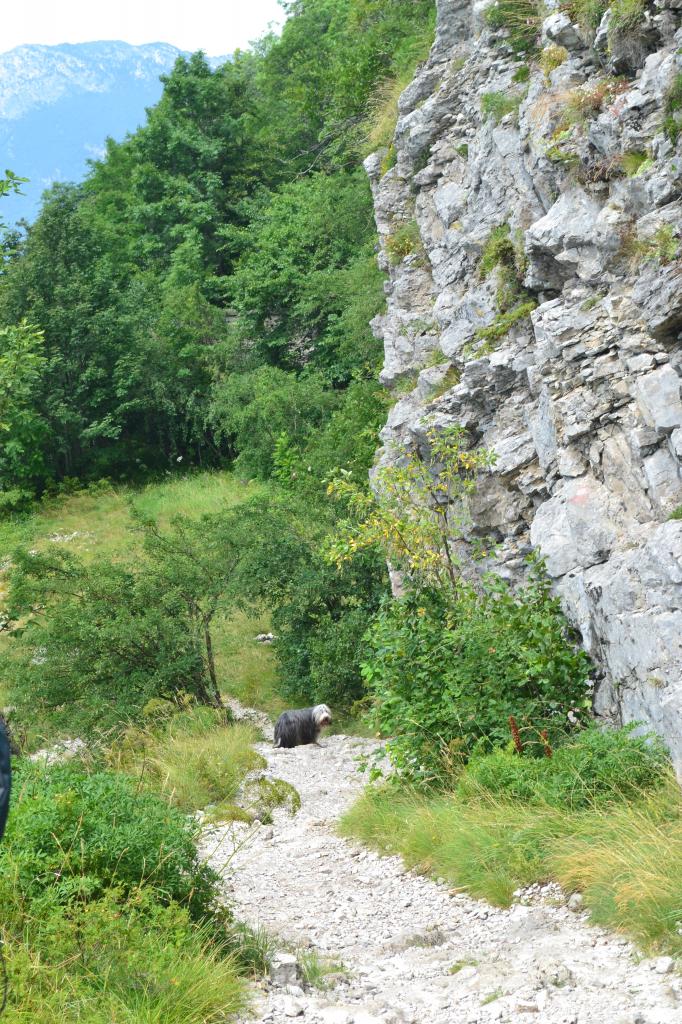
(304, 725)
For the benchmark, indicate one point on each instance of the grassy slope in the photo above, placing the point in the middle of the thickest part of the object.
(98, 524)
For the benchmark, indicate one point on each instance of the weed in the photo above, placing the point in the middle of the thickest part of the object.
(450, 380)
(521, 20)
(551, 58)
(463, 150)
(317, 971)
(677, 514)
(662, 247)
(404, 241)
(626, 16)
(634, 163)
(522, 74)
(588, 13)
(501, 326)
(405, 385)
(461, 964)
(625, 858)
(383, 108)
(193, 761)
(672, 124)
(492, 996)
(390, 160)
(499, 250)
(252, 948)
(496, 105)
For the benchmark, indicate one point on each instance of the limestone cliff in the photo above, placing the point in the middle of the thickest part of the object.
(539, 304)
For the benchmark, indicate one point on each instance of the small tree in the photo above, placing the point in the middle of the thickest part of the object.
(419, 511)
(103, 639)
(197, 560)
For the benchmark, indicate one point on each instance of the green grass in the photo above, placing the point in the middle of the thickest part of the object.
(193, 761)
(496, 105)
(626, 859)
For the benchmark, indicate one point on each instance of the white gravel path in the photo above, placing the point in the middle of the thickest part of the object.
(399, 935)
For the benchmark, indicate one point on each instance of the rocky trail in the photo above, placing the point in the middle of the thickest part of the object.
(414, 951)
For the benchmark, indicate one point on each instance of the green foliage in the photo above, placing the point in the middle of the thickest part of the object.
(677, 514)
(192, 760)
(500, 327)
(626, 15)
(521, 21)
(22, 428)
(595, 767)
(108, 637)
(499, 250)
(663, 247)
(114, 959)
(496, 105)
(588, 13)
(298, 271)
(447, 670)
(672, 124)
(255, 409)
(503, 255)
(522, 74)
(74, 834)
(404, 241)
(418, 512)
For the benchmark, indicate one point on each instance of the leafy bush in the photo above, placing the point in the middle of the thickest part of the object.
(447, 671)
(595, 767)
(320, 624)
(73, 834)
(404, 241)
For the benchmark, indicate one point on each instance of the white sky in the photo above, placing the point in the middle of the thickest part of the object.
(215, 26)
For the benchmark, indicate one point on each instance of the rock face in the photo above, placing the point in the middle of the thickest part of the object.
(581, 400)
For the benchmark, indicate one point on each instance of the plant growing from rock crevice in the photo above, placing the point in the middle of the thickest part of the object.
(420, 510)
(404, 241)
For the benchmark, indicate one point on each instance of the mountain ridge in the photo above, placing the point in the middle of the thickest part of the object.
(58, 105)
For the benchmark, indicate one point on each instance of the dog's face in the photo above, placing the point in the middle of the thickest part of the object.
(322, 716)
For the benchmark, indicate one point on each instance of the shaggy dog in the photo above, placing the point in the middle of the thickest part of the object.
(294, 728)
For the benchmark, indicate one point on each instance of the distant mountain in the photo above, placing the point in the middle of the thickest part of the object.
(58, 104)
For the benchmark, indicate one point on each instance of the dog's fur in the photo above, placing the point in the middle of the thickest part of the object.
(304, 725)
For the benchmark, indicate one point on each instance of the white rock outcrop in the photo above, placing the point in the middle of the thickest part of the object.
(583, 400)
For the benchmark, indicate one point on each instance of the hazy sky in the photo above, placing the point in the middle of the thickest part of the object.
(215, 26)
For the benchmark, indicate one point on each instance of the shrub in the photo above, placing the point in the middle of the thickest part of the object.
(551, 58)
(73, 834)
(447, 671)
(404, 241)
(595, 767)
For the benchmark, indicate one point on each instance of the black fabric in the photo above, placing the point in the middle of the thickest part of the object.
(5, 778)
